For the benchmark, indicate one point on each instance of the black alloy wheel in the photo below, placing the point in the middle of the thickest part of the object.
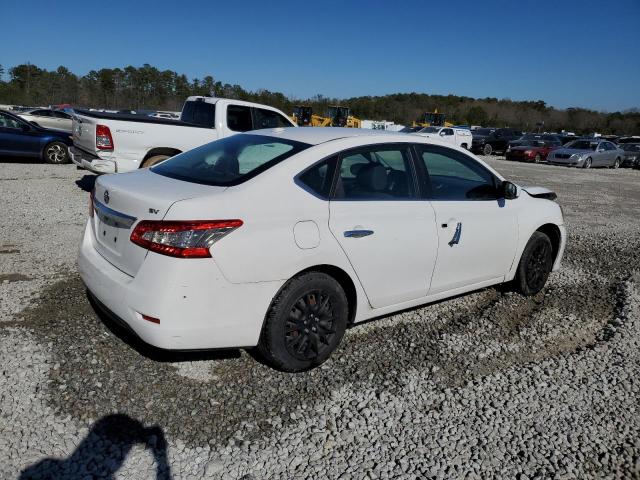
(310, 326)
(535, 265)
(305, 323)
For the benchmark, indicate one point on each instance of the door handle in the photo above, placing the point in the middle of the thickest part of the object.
(357, 233)
(456, 235)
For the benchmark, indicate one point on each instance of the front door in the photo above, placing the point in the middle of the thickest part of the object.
(477, 230)
(16, 137)
(388, 233)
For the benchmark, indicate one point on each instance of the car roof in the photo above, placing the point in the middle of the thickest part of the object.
(315, 136)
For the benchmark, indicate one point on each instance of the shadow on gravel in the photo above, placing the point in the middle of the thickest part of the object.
(103, 451)
(87, 182)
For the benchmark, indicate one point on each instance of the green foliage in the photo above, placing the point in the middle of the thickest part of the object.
(146, 87)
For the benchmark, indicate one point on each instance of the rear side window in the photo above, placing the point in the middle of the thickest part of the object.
(239, 118)
(229, 161)
(317, 179)
(454, 176)
(199, 113)
(263, 118)
(41, 113)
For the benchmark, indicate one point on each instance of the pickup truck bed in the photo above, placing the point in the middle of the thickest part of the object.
(131, 117)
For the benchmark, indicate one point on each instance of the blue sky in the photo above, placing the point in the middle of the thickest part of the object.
(567, 53)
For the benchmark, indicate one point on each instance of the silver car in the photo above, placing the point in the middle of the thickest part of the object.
(48, 118)
(587, 153)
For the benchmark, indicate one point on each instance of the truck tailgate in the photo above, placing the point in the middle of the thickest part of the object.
(84, 133)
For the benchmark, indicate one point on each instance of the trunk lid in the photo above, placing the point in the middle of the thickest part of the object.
(122, 200)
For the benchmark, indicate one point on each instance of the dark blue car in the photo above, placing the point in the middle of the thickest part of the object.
(19, 138)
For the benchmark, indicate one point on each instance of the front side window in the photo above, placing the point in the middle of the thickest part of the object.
(448, 131)
(229, 161)
(377, 173)
(8, 122)
(263, 118)
(199, 113)
(239, 118)
(452, 175)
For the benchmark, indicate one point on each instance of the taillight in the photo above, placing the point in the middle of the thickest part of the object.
(183, 239)
(104, 141)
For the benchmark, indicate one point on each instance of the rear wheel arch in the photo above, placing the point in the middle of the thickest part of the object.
(154, 152)
(342, 277)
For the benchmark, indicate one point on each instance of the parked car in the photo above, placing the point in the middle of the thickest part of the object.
(301, 232)
(47, 118)
(19, 138)
(631, 154)
(532, 148)
(114, 143)
(490, 140)
(587, 153)
(460, 137)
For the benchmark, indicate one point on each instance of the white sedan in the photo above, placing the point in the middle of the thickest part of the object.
(280, 239)
(48, 118)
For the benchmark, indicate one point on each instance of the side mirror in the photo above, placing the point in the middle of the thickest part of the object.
(508, 190)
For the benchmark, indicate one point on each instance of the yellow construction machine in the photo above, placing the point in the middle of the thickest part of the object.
(432, 119)
(337, 116)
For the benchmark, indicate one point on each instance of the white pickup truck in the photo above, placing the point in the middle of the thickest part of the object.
(460, 137)
(112, 143)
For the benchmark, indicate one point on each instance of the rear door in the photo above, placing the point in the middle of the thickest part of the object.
(387, 232)
(477, 230)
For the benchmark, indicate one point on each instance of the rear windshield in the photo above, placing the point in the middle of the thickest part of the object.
(229, 161)
(200, 113)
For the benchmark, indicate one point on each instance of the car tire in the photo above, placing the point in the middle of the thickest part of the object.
(487, 149)
(56, 153)
(151, 161)
(616, 164)
(535, 265)
(311, 309)
(587, 163)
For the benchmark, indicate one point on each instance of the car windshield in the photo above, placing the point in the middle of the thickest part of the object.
(229, 161)
(582, 145)
(482, 131)
(430, 130)
(630, 147)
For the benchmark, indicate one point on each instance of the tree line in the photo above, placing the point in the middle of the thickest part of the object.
(147, 87)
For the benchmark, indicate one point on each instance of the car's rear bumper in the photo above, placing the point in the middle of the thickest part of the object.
(91, 162)
(197, 307)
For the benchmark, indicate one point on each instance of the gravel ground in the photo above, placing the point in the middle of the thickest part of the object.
(482, 386)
